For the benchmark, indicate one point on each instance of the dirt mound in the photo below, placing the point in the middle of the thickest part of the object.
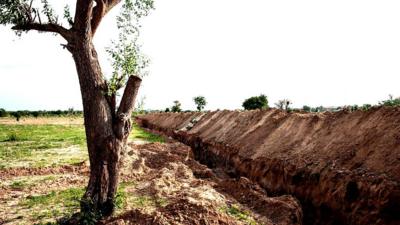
(344, 167)
(181, 212)
(179, 190)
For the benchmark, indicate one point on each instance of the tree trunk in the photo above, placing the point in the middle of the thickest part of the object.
(106, 132)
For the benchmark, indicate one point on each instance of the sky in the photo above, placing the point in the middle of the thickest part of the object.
(313, 52)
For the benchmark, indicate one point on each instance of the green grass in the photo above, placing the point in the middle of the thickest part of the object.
(139, 133)
(239, 214)
(36, 145)
(50, 145)
(64, 203)
(21, 183)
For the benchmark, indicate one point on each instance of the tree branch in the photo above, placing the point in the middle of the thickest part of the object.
(48, 27)
(100, 10)
(98, 13)
(128, 99)
(122, 121)
(83, 15)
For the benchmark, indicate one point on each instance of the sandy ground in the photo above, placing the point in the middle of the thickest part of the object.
(43, 120)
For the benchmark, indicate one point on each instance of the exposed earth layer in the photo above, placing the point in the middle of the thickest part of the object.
(344, 167)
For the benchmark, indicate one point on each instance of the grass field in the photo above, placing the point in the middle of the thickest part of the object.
(39, 144)
(49, 143)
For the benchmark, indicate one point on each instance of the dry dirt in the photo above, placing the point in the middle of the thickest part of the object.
(166, 186)
(344, 167)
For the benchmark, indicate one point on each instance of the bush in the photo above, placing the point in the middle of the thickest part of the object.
(256, 102)
(391, 101)
(306, 108)
(366, 107)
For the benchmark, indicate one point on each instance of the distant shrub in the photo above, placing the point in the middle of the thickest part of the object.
(256, 102)
(391, 101)
(167, 110)
(306, 108)
(366, 107)
(354, 108)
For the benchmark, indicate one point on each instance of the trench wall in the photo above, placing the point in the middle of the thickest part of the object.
(344, 167)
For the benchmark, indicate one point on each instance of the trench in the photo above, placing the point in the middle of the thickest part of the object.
(327, 195)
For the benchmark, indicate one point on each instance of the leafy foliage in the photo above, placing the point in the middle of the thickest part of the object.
(176, 107)
(40, 113)
(306, 108)
(391, 101)
(200, 101)
(67, 15)
(14, 12)
(256, 102)
(22, 12)
(125, 53)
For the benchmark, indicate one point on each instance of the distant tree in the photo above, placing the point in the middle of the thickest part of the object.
(107, 127)
(176, 107)
(35, 114)
(167, 110)
(256, 102)
(306, 108)
(3, 112)
(17, 115)
(283, 104)
(200, 102)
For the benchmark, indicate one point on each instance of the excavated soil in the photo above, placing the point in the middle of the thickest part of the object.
(344, 167)
(195, 194)
(164, 185)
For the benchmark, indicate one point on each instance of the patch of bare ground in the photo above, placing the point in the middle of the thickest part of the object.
(43, 120)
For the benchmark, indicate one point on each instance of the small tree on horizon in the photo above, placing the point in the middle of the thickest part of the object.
(176, 107)
(283, 104)
(256, 102)
(200, 102)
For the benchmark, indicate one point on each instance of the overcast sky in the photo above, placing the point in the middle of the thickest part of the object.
(313, 52)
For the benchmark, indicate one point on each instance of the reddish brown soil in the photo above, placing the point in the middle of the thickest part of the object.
(80, 168)
(344, 167)
(195, 193)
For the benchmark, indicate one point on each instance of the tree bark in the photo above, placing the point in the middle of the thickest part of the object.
(106, 131)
